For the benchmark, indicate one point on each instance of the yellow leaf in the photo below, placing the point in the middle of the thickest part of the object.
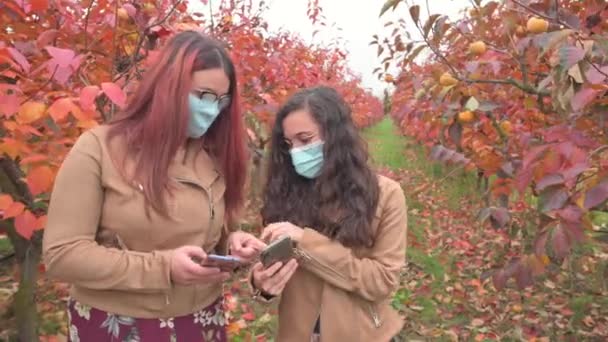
(30, 112)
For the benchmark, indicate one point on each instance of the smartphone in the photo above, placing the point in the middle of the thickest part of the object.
(226, 263)
(280, 250)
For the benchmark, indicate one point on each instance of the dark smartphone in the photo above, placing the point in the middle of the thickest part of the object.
(226, 263)
(280, 250)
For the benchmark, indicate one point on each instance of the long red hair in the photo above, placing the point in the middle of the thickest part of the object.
(155, 122)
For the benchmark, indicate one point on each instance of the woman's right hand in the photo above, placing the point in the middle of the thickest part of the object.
(273, 279)
(186, 268)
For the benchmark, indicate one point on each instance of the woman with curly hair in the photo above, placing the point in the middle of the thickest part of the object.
(348, 224)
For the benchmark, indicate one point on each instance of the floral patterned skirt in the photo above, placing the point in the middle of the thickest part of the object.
(90, 324)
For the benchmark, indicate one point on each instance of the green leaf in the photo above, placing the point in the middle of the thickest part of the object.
(387, 5)
(472, 104)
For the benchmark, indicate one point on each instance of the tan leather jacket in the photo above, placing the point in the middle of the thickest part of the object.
(99, 239)
(350, 290)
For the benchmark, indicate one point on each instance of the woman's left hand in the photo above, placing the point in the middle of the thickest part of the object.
(245, 245)
(275, 230)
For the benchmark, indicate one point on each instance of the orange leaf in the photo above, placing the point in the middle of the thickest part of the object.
(11, 125)
(41, 222)
(40, 180)
(16, 208)
(13, 148)
(60, 109)
(26, 224)
(30, 112)
(5, 201)
(35, 158)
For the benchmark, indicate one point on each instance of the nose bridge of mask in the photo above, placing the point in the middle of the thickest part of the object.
(308, 149)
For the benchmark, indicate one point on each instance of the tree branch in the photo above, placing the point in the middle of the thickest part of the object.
(14, 174)
(41, 87)
(542, 15)
(86, 24)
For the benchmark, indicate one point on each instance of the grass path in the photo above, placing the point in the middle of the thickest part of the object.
(442, 295)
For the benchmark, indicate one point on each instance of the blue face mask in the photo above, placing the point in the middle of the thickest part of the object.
(202, 115)
(308, 160)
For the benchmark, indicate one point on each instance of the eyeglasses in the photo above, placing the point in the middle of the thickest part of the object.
(223, 101)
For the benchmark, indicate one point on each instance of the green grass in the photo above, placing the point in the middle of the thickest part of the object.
(386, 146)
(389, 148)
(5, 246)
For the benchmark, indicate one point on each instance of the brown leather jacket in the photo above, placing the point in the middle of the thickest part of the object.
(99, 239)
(350, 290)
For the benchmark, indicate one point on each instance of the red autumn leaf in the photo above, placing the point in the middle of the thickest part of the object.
(114, 93)
(19, 58)
(46, 37)
(249, 316)
(560, 241)
(583, 97)
(552, 198)
(87, 97)
(596, 195)
(10, 105)
(63, 64)
(40, 180)
(26, 223)
(39, 5)
(131, 10)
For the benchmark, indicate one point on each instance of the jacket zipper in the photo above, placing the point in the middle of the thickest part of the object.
(309, 258)
(375, 316)
(370, 305)
(209, 193)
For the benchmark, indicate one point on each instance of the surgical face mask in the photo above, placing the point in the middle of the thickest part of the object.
(202, 114)
(308, 160)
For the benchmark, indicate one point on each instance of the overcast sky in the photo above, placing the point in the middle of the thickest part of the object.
(356, 21)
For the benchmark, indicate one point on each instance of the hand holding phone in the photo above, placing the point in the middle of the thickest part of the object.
(226, 263)
(280, 250)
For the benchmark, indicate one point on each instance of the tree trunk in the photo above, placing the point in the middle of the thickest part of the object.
(28, 258)
(27, 254)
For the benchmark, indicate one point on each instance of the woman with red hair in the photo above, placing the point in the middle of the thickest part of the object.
(140, 202)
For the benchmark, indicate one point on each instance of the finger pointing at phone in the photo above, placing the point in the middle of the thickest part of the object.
(275, 230)
(245, 245)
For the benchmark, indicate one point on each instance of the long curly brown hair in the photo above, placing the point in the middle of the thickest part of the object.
(341, 202)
